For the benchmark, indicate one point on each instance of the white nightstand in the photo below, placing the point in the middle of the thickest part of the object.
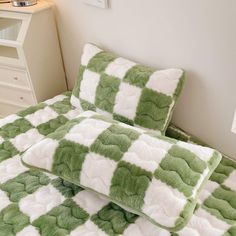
(31, 68)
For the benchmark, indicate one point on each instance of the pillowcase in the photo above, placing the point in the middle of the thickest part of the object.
(150, 175)
(126, 91)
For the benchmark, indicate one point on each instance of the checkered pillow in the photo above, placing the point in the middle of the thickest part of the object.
(131, 93)
(150, 175)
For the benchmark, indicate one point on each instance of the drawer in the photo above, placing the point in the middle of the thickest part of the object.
(14, 77)
(16, 96)
(7, 109)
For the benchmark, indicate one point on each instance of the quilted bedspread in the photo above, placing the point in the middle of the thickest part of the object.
(35, 203)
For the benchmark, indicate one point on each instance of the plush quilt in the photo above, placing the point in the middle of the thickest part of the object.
(36, 203)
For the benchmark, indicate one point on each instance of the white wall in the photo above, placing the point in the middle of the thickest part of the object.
(199, 36)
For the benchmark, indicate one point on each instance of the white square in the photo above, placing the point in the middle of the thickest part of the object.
(23, 141)
(89, 201)
(230, 182)
(165, 81)
(4, 200)
(88, 229)
(55, 99)
(163, 203)
(89, 85)
(204, 224)
(204, 153)
(127, 100)
(89, 52)
(41, 116)
(143, 227)
(28, 231)
(9, 119)
(40, 202)
(87, 131)
(97, 172)
(156, 142)
(119, 67)
(87, 114)
(145, 155)
(41, 154)
(11, 168)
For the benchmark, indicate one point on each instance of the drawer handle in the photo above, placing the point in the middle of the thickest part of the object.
(21, 98)
(15, 78)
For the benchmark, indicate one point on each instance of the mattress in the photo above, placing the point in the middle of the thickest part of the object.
(37, 203)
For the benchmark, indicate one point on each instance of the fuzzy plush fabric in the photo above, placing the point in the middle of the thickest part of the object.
(138, 95)
(150, 175)
(34, 203)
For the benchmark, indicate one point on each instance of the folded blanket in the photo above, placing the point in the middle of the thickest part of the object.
(150, 175)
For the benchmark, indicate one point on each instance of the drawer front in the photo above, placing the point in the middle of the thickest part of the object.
(16, 96)
(14, 77)
(7, 109)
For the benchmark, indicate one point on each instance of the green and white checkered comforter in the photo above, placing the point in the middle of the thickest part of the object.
(36, 203)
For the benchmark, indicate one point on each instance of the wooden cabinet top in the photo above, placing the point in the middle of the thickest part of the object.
(40, 6)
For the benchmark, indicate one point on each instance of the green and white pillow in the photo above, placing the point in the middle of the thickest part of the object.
(150, 175)
(126, 91)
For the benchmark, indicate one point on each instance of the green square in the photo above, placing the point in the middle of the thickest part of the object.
(15, 128)
(31, 110)
(129, 184)
(66, 188)
(76, 90)
(52, 125)
(7, 150)
(106, 92)
(180, 169)
(223, 170)
(62, 107)
(123, 119)
(61, 220)
(12, 220)
(113, 220)
(153, 110)
(24, 184)
(68, 160)
(222, 204)
(138, 75)
(100, 62)
(231, 231)
(87, 105)
(114, 142)
(64, 129)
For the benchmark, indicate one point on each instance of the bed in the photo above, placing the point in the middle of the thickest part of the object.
(35, 203)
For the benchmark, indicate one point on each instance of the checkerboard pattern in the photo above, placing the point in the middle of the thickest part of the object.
(83, 212)
(216, 211)
(33, 203)
(145, 173)
(126, 91)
